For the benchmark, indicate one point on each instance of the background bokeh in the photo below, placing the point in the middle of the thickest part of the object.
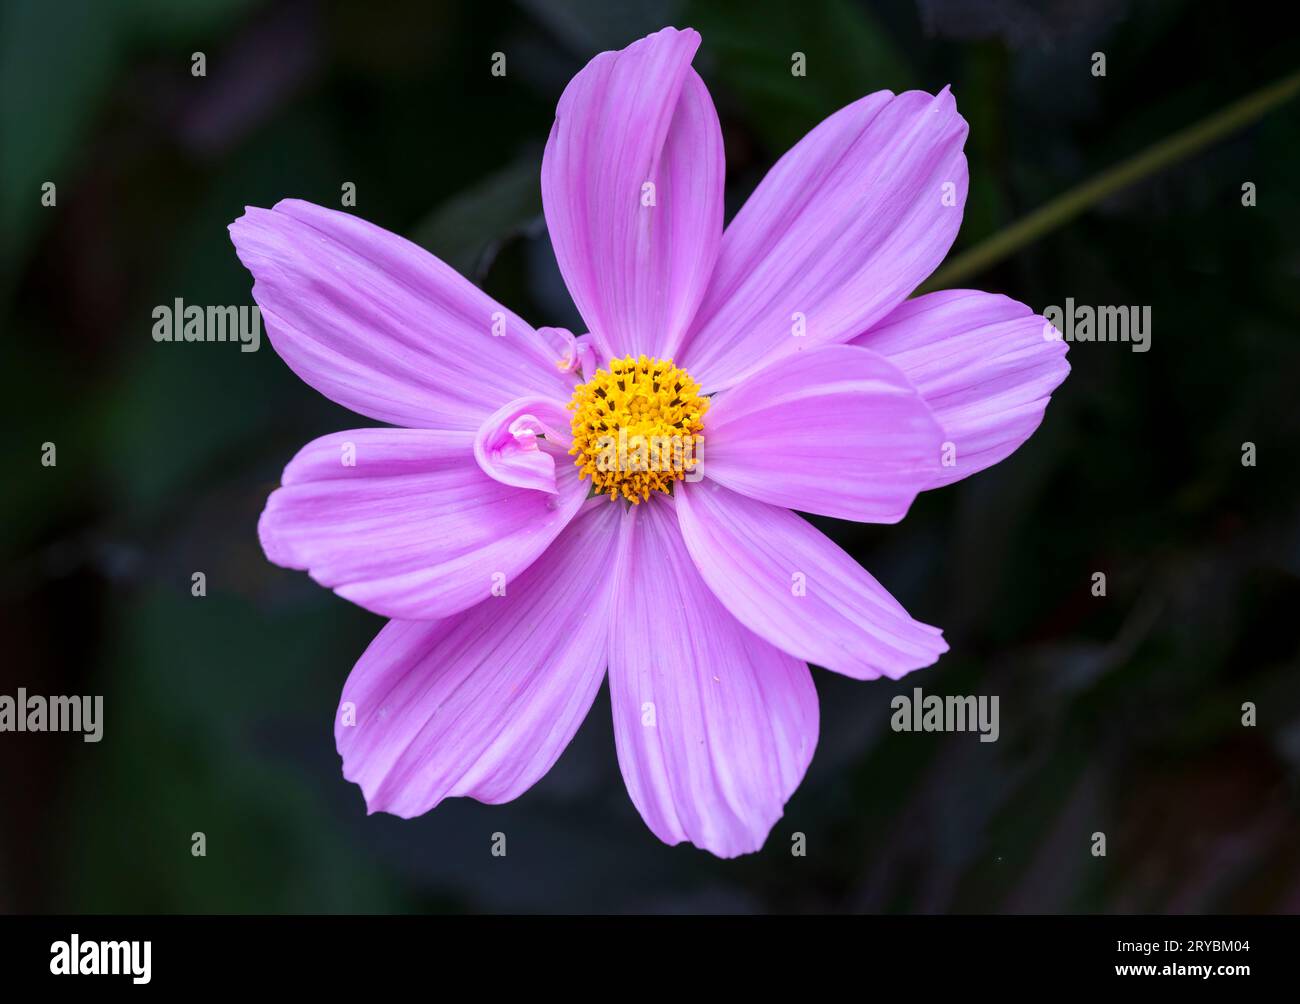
(1119, 714)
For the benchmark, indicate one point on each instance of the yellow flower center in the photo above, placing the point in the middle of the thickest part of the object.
(636, 427)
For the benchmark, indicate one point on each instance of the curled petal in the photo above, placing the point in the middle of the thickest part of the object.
(510, 448)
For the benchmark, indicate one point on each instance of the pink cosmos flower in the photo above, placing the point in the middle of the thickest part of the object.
(785, 341)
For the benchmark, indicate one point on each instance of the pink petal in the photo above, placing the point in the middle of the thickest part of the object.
(383, 327)
(415, 529)
(842, 229)
(785, 581)
(837, 431)
(981, 362)
(714, 726)
(637, 116)
(510, 445)
(483, 703)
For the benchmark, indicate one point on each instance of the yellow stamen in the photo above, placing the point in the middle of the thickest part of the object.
(636, 427)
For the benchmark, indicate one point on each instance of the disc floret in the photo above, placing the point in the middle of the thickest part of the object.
(637, 427)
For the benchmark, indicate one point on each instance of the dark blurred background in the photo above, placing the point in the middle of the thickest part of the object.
(1119, 714)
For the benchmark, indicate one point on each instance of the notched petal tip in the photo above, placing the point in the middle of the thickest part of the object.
(944, 104)
(984, 362)
(670, 35)
(268, 536)
(482, 703)
(636, 139)
(842, 618)
(839, 397)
